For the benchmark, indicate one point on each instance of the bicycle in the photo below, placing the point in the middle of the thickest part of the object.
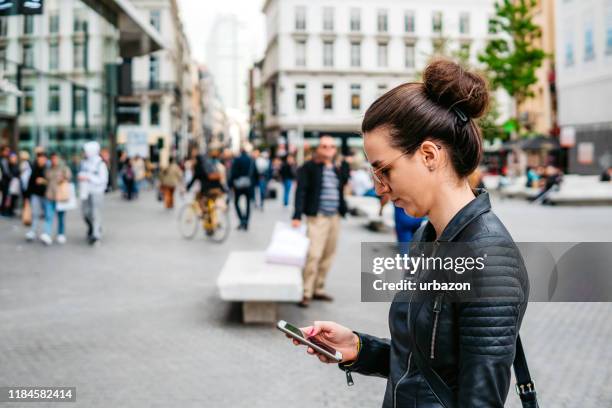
(211, 211)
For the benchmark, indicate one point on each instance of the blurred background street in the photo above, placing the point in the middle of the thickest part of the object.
(110, 110)
(138, 321)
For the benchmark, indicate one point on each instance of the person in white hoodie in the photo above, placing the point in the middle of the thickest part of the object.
(93, 178)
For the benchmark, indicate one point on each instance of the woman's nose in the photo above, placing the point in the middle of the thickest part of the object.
(380, 188)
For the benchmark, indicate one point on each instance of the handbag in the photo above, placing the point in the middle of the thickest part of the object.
(63, 192)
(26, 213)
(524, 385)
(14, 186)
(71, 202)
(244, 182)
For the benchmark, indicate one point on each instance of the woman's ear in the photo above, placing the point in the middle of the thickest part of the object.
(430, 154)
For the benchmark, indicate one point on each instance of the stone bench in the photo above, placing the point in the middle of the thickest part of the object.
(260, 286)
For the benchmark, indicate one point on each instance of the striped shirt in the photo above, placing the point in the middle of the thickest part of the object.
(329, 200)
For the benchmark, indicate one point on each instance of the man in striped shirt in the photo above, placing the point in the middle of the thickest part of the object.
(319, 195)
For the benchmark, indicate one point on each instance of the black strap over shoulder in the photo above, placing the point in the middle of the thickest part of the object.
(524, 385)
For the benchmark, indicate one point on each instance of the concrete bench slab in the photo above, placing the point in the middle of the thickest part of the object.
(246, 277)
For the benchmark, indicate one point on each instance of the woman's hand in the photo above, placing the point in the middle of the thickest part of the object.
(334, 335)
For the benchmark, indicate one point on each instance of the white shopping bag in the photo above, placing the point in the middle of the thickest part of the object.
(71, 203)
(289, 245)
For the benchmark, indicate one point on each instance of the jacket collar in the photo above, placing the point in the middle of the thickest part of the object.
(479, 205)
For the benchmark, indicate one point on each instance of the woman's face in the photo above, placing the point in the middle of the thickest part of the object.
(406, 178)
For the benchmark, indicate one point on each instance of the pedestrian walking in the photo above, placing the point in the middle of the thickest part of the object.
(129, 180)
(319, 196)
(243, 177)
(93, 178)
(10, 174)
(36, 193)
(264, 174)
(58, 177)
(170, 177)
(287, 175)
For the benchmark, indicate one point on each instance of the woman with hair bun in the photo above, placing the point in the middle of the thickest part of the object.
(423, 142)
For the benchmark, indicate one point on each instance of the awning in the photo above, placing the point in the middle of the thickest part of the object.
(136, 36)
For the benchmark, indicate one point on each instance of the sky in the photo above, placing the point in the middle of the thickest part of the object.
(198, 17)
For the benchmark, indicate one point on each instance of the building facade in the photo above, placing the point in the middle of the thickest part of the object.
(538, 114)
(584, 82)
(154, 115)
(325, 62)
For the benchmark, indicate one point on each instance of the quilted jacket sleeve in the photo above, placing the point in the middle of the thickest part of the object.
(488, 326)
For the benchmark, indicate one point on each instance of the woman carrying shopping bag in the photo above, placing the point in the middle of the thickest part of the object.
(58, 191)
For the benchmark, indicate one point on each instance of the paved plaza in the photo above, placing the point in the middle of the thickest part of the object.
(137, 322)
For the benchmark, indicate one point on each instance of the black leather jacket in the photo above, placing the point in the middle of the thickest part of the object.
(471, 346)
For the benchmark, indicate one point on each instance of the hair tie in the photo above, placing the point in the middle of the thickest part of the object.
(463, 119)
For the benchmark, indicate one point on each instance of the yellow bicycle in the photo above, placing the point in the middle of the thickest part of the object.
(211, 211)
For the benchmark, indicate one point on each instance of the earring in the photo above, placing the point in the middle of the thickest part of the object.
(431, 168)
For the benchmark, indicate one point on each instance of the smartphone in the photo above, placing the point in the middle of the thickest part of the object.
(316, 345)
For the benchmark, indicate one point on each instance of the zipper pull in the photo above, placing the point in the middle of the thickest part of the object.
(349, 378)
(437, 306)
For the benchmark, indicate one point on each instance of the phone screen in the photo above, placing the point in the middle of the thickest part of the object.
(298, 332)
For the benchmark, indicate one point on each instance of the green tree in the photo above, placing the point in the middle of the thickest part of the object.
(512, 56)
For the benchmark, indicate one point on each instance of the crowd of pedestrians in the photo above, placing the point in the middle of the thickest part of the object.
(41, 190)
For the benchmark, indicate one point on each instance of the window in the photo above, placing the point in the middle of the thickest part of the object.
(381, 89)
(54, 23)
(300, 97)
(355, 19)
(155, 19)
(355, 96)
(154, 113)
(355, 54)
(28, 24)
(27, 56)
(54, 98)
(436, 22)
(80, 21)
(80, 102)
(328, 19)
(300, 53)
(79, 51)
(273, 99)
(3, 58)
(409, 21)
(328, 53)
(53, 56)
(569, 47)
(153, 72)
(28, 99)
(382, 54)
(382, 21)
(438, 46)
(3, 26)
(464, 23)
(589, 46)
(409, 57)
(300, 18)
(328, 97)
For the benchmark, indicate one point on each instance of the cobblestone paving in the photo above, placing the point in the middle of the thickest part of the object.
(138, 322)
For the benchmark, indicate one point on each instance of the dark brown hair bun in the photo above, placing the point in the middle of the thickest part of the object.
(450, 85)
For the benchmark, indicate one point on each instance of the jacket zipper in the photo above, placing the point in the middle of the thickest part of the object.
(400, 380)
(349, 378)
(435, 249)
(437, 308)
